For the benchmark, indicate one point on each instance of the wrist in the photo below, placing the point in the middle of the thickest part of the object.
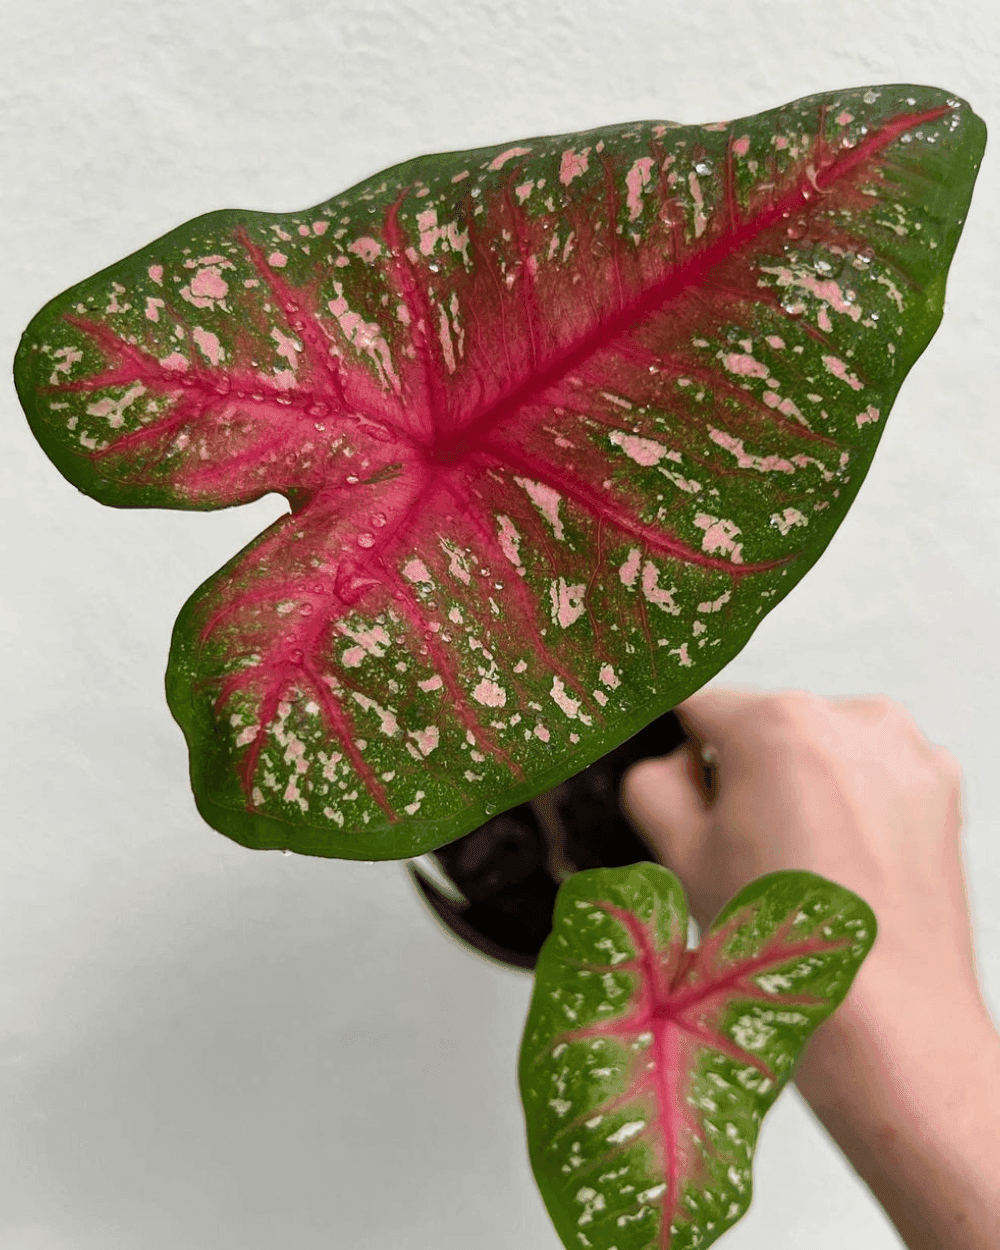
(888, 1047)
(912, 1098)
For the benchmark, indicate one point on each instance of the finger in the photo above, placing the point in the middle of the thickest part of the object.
(708, 717)
(664, 802)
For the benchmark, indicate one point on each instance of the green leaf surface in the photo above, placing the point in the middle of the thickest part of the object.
(559, 421)
(647, 1068)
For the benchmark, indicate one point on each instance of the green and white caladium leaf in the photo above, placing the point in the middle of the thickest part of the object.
(646, 1068)
(559, 421)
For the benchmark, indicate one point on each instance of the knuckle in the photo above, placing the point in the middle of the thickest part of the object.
(796, 709)
(794, 702)
(886, 708)
(948, 763)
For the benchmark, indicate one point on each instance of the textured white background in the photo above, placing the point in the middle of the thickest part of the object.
(211, 1048)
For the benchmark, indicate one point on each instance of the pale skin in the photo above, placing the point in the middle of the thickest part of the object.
(905, 1075)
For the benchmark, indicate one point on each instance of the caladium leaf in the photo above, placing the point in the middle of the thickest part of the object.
(558, 421)
(646, 1068)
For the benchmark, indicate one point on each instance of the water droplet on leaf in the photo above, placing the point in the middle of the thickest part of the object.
(378, 519)
(366, 540)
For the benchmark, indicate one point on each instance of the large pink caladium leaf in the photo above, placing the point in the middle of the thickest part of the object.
(646, 1068)
(558, 422)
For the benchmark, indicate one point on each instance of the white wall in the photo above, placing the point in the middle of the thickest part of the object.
(215, 1049)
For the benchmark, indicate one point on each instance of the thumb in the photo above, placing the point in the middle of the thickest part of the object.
(663, 799)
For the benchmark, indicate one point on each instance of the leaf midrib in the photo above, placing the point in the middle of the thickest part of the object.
(686, 275)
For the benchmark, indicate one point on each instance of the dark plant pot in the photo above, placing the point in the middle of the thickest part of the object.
(495, 888)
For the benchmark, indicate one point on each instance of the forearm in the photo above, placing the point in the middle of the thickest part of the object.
(917, 1113)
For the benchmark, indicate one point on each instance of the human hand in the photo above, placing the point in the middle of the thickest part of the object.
(846, 788)
(905, 1074)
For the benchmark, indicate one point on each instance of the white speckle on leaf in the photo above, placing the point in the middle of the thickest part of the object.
(288, 348)
(208, 283)
(458, 565)
(389, 724)
(700, 220)
(629, 570)
(644, 451)
(744, 365)
(826, 290)
(788, 518)
(893, 290)
(607, 676)
(715, 605)
(871, 413)
(490, 694)
(744, 459)
(114, 409)
(774, 983)
(593, 1201)
(426, 739)
(653, 592)
(546, 500)
(416, 571)
(292, 794)
(752, 1033)
(366, 248)
(626, 1132)
(510, 541)
(373, 640)
(568, 705)
(411, 809)
(636, 180)
(567, 602)
(572, 165)
(840, 370)
(498, 162)
(719, 535)
(64, 358)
